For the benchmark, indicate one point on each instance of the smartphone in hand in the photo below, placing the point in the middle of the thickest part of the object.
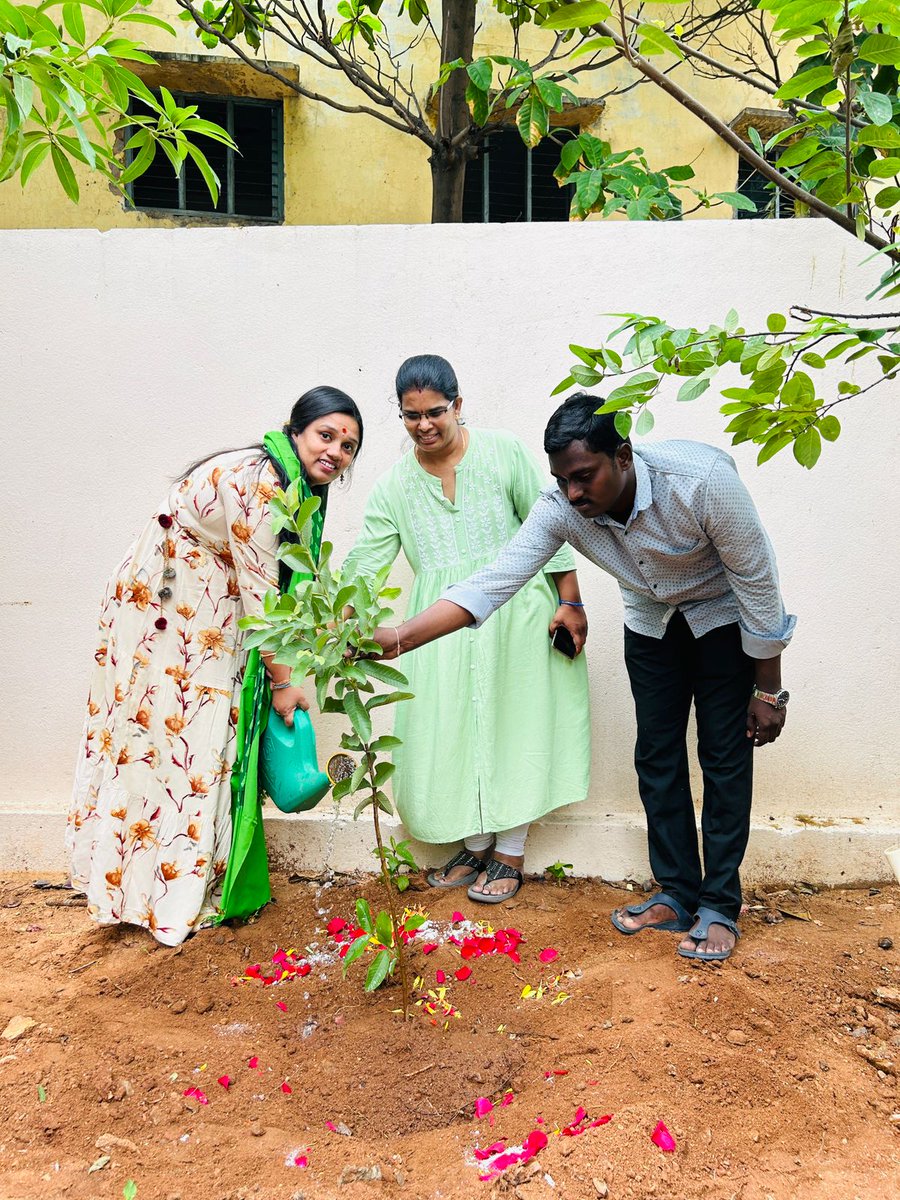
(563, 641)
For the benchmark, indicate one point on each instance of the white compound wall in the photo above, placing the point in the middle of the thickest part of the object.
(124, 355)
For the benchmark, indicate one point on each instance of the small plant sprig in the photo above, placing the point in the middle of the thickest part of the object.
(558, 871)
(399, 863)
(308, 631)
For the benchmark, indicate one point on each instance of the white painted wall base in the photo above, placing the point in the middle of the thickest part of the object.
(611, 848)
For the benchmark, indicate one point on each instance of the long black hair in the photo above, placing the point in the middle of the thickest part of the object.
(427, 372)
(316, 403)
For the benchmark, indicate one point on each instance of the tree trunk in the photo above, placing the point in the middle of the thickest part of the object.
(449, 157)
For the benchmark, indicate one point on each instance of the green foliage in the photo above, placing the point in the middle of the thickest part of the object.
(558, 871)
(65, 94)
(781, 400)
(311, 632)
(398, 856)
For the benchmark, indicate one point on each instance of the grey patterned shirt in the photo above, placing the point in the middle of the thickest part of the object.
(693, 542)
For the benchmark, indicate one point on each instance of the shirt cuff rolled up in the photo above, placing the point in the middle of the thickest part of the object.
(472, 600)
(758, 645)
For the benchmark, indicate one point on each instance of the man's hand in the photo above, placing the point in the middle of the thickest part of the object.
(764, 723)
(575, 620)
(286, 701)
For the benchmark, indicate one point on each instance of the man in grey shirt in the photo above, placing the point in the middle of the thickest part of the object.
(704, 622)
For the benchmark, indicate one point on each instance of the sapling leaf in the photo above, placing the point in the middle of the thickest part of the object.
(377, 972)
(364, 916)
(357, 947)
(388, 698)
(383, 672)
(359, 715)
(384, 930)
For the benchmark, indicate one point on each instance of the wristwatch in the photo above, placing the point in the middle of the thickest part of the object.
(777, 699)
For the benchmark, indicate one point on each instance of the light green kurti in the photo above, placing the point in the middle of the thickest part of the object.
(499, 730)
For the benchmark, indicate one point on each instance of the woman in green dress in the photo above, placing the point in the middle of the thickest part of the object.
(498, 733)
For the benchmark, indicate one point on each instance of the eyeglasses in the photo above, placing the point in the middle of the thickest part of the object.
(433, 414)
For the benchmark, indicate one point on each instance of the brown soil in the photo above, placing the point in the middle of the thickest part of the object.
(765, 1070)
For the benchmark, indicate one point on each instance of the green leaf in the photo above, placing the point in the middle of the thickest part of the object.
(378, 970)
(887, 197)
(129, 1191)
(384, 930)
(42, 1094)
(736, 200)
(692, 389)
(13, 19)
(383, 672)
(622, 421)
(577, 16)
(884, 168)
(481, 72)
(772, 446)
(33, 160)
(210, 178)
(364, 916)
(388, 698)
(884, 136)
(679, 173)
(804, 82)
(74, 22)
(830, 428)
(645, 422)
(64, 173)
(880, 48)
(776, 322)
(533, 120)
(812, 359)
(808, 447)
(878, 107)
(359, 716)
(357, 947)
(386, 742)
(657, 41)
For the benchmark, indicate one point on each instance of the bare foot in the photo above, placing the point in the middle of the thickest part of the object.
(653, 916)
(499, 887)
(720, 940)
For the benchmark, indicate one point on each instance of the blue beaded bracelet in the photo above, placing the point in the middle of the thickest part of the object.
(573, 603)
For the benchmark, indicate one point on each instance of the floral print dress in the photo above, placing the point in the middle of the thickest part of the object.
(150, 826)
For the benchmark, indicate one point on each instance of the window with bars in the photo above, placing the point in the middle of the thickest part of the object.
(770, 201)
(252, 180)
(510, 182)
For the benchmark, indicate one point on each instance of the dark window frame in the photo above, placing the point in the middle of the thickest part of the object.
(226, 193)
(778, 206)
(484, 158)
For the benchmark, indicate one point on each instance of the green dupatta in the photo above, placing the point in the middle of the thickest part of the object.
(245, 888)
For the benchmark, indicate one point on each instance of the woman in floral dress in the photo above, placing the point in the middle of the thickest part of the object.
(150, 827)
(498, 732)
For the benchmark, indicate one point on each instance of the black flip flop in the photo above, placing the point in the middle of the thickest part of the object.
(497, 870)
(464, 859)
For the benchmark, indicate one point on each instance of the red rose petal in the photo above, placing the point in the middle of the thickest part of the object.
(301, 1160)
(548, 955)
(253, 1063)
(335, 925)
(428, 947)
(281, 1004)
(463, 973)
(195, 1093)
(457, 917)
(226, 1081)
(662, 1138)
(440, 976)
(507, 1099)
(287, 1089)
(601, 1121)
(535, 1141)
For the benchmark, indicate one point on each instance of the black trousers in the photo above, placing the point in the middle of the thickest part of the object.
(666, 676)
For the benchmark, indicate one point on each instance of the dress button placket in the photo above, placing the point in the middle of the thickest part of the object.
(165, 592)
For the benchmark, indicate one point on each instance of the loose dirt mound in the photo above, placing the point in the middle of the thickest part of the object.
(776, 1073)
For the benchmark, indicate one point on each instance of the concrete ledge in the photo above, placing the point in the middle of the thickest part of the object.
(613, 848)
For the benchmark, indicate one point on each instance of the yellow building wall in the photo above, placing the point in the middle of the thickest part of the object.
(353, 169)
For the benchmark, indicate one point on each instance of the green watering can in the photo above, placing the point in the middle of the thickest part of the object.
(288, 768)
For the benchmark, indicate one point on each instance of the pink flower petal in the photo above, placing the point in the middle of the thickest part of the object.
(440, 976)
(300, 1160)
(253, 1062)
(195, 1093)
(488, 1151)
(428, 947)
(281, 1004)
(463, 973)
(457, 917)
(507, 1099)
(483, 1106)
(535, 1141)
(548, 955)
(601, 1121)
(331, 1125)
(226, 1081)
(286, 1088)
(662, 1138)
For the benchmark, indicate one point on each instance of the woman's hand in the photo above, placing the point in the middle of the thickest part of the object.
(575, 620)
(388, 637)
(286, 701)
